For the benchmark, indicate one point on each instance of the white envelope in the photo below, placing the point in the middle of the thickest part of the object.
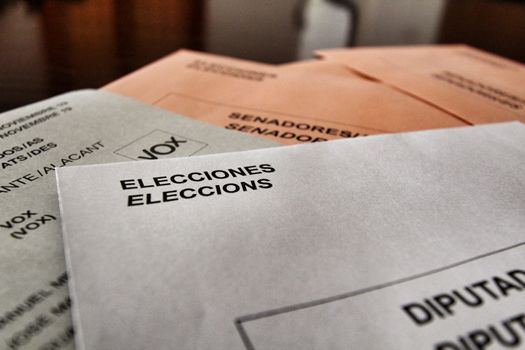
(77, 128)
(350, 244)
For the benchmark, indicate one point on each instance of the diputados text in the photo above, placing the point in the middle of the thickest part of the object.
(198, 184)
(506, 333)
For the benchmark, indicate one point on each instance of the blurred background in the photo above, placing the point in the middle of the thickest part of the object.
(52, 46)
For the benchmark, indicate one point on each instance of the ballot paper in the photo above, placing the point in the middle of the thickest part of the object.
(304, 103)
(403, 241)
(476, 86)
(77, 128)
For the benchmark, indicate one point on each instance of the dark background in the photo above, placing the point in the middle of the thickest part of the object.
(52, 46)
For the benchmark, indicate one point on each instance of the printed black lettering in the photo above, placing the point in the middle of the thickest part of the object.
(238, 171)
(186, 196)
(149, 155)
(248, 185)
(446, 302)
(175, 181)
(135, 199)
(143, 185)
(205, 194)
(232, 126)
(170, 196)
(161, 149)
(483, 286)
(418, 313)
(161, 181)
(264, 183)
(252, 170)
(447, 346)
(220, 174)
(231, 188)
(480, 339)
(150, 200)
(176, 142)
(505, 286)
(473, 299)
(192, 177)
(128, 184)
(515, 275)
(267, 168)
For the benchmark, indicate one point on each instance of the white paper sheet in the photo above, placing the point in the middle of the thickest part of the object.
(351, 244)
(77, 128)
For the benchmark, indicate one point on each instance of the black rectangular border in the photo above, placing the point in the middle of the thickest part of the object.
(163, 131)
(248, 344)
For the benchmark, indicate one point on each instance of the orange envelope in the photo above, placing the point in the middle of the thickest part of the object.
(286, 105)
(473, 85)
(318, 66)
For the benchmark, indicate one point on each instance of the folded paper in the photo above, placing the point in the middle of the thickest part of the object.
(82, 127)
(403, 241)
(305, 102)
(476, 86)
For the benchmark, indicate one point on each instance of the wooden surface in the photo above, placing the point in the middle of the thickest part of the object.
(496, 26)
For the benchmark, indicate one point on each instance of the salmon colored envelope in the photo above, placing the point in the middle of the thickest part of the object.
(288, 106)
(474, 85)
(319, 66)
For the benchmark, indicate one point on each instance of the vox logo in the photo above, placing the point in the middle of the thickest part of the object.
(162, 149)
(160, 144)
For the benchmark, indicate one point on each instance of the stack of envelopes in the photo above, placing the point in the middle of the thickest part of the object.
(394, 218)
